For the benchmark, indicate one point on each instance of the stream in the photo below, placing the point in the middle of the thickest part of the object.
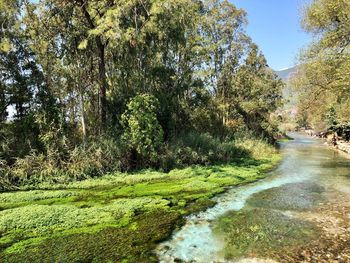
(254, 219)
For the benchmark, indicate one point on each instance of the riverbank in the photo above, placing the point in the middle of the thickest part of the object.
(116, 218)
(341, 145)
(333, 242)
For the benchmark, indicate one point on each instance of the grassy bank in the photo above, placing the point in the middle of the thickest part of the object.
(117, 217)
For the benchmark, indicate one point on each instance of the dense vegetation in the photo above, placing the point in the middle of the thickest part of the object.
(119, 117)
(118, 217)
(89, 87)
(323, 77)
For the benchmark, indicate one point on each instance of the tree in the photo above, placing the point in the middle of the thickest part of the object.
(256, 93)
(73, 72)
(323, 78)
(20, 80)
(224, 44)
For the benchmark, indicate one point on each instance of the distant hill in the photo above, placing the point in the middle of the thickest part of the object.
(285, 74)
(289, 96)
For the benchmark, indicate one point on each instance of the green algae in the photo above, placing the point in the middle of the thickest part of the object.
(111, 244)
(261, 232)
(263, 227)
(298, 196)
(116, 218)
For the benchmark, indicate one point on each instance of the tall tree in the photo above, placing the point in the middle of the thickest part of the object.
(256, 93)
(323, 78)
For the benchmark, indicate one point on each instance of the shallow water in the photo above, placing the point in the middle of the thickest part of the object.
(308, 173)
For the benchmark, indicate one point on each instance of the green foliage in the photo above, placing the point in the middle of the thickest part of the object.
(258, 149)
(100, 157)
(107, 86)
(115, 210)
(329, 19)
(105, 156)
(342, 129)
(79, 163)
(200, 149)
(142, 131)
(323, 79)
(331, 117)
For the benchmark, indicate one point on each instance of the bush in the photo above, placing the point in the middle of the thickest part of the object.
(199, 149)
(258, 149)
(143, 134)
(99, 158)
(342, 129)
(5, 183)
(96, 159)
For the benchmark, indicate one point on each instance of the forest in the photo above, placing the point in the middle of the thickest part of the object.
(155, 131)
(92, 87)
(119, 114)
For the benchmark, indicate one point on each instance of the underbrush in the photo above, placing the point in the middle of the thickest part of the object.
(108, 156)
(77, 164)
(200, 149)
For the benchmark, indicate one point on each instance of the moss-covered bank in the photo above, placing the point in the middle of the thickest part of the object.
(116, 218)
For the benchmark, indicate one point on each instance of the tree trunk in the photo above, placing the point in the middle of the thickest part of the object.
(101, 68)
(82, 115)
(103, 83)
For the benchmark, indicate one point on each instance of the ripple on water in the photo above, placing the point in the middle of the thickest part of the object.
(295, 184)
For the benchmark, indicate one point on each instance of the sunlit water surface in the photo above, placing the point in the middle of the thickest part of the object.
(306, 160)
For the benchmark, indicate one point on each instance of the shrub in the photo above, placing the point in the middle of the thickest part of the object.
(100, 157)
(5, 183)
(199, 149)
(34, 167)
(107, 155)
(143, 134)
(96, 159)
(258, 149)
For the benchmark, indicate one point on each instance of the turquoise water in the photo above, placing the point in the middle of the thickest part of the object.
(308, 173)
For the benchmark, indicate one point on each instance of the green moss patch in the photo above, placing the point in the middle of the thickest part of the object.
(111, 244)
(299, 196)
(116, 218)
(260, 232)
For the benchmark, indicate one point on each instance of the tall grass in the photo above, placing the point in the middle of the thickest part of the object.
(106, 156)
(200, 149)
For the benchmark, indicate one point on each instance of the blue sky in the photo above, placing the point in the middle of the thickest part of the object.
(275, 26)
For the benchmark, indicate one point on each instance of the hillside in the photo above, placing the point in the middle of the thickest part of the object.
(286, 74)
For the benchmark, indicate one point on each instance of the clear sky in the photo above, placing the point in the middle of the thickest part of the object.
(275, 26)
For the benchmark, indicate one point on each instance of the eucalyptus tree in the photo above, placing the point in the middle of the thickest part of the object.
(12, 55)
(73, 68)
(224, 43)
(156, 54)
(136, 45)
(323, 77)
(257, 93)
(19, 81)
